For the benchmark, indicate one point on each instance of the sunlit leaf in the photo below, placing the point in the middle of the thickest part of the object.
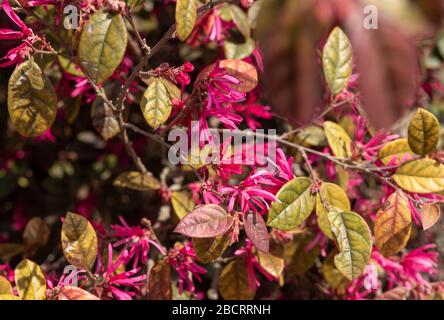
(294, 205)
(102, 45)
(271, 264)
(206, 221)
(160, 282)
(5, 286)
(182, 202)
(8, 297)
(393, 225)
(338, 139)
(242, 71)
(354, 242)
(79, 241)
(104, 120)
(398, 149)
(138, 181)
(30, 281)
(398, 293)
(337, 60)
(334, 197)
(257, 231)
(32, 100)
(430, 214)
(186, 15)
(209, 249)
(233, 282)
(421, 176)
(423, 132)
(334, 278)
(74, 293)
(156, 104)
(35, 235)
(70, 67)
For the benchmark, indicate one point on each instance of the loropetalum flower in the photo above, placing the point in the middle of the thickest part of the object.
(181, 258)
(136, 240)
(111, 280)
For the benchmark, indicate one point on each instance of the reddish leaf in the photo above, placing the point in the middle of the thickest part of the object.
(205, 222)
(257, 231)
(74, 293)
(160, 282)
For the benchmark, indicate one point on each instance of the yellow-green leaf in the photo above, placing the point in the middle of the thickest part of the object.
(156, 104)
(338, 139)
(233, 282)
(430, 214)
(235, 14)
(104, 120)
(186, 16)
(102, 45)
(182, 203)
(393, 225)
(79, 241)
(70, 67)
(423, 132)
(294, 205)
(209, 249)
(311, 136)
(30, 281)
(136, 180)
(420, 176)
(398, 149)
(334, 278)
(337, 60)
(235, 50)
(334, 197)
(32, 100)
(8, 297)
(5, 286)
(272, 264)
(354, 242)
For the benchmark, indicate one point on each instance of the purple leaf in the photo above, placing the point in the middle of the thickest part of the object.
(257, 232)
(205, 222)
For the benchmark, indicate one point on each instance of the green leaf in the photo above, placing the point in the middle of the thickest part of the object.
(338, 139)
(354, 242)
(233, 281)
(423, 132)
(239, 50)
(393, 225)
(421, 176)
(335, 198)
(32, 100)
(102, 45)
(240, 19)
(10, 250)
(294, 205)
(138, 181)
(70, 67)
(398, 149)
(30, 281)
(79, 241)
(156, 104)
(103, 119)
(209, 249)
(337, 60)
(311, 136)
(186, 16)
(5, 286)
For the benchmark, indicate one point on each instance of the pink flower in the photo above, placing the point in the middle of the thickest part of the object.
(113, 283)
(182, 260)
(136, 240)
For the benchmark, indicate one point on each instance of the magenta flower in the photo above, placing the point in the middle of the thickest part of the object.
(136, 240)
(182, 260)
